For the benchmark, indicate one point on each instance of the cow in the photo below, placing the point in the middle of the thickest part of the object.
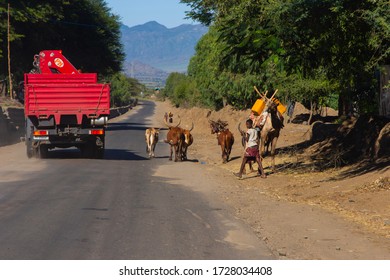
(151, 138)
(175, 139)
(224, 137)
(188, 140)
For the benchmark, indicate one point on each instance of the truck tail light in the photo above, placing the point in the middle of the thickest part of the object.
(41, 132)
(96, 132)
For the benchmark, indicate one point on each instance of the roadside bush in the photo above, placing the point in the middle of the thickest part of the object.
(123, 89)
(181, 90)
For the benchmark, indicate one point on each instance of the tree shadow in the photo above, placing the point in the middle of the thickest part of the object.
(316, 161)
(126, 126)
(366, 166)
(130, 126)
(109, 154)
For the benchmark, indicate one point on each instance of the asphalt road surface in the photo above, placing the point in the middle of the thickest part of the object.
(124, 206)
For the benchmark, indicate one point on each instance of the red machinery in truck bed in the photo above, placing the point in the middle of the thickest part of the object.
(64, 107)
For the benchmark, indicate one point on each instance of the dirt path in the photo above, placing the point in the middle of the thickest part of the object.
(301, 214)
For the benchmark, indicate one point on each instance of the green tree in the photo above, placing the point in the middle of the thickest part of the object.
(123, 89)
(378, 17)
(202, 11)
(204, 69)
(86, 31)
(181, 90)
(339, 42)
(334, 36)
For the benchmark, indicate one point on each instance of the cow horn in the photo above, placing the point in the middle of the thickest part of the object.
(179, 121)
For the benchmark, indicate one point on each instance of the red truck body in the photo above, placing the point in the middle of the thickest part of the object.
(64, 108)
(66, 94)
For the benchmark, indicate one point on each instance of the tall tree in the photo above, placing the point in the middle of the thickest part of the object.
(202, 11)
(86, 31)
(345, 39)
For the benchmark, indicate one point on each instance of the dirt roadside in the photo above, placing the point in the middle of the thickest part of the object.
(300, 213)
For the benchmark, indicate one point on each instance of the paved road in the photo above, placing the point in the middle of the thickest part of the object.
(124, 206)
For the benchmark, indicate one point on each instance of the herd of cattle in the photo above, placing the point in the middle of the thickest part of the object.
(180, 139)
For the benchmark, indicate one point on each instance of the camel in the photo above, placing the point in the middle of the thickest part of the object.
(270, 132)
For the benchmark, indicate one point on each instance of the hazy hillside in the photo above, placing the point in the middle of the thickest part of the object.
(146, 74)
(153, 44)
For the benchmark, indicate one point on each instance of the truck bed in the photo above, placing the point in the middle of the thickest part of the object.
(66, 94)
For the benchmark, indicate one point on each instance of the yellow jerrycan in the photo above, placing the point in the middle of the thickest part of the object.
(281, 108)
(259, 106)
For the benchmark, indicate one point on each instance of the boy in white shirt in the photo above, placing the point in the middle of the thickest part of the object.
(251, 150)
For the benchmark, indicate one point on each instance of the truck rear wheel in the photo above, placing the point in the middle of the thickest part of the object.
(29, 148)
(28, 139)
(43, 151)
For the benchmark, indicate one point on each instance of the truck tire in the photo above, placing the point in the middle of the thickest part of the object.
(28, 139)
(29, 148)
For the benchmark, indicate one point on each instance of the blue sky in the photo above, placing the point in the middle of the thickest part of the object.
(170, 13)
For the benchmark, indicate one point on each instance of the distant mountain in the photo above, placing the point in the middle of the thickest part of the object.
(168, 49)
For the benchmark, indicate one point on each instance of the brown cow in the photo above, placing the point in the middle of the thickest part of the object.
(175, 139)
(224, 136)
(151, 138)
(188, 140)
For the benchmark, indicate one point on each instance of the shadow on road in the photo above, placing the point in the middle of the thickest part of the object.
(130, 126)
(109, 154)
(126, 126)
(120, 154)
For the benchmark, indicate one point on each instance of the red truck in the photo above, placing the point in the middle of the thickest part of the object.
(64, 108)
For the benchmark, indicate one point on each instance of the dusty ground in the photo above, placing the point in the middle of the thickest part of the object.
(302, 213)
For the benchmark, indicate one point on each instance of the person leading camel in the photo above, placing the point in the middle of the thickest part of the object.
(251, 150)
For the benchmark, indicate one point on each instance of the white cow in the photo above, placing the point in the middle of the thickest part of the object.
(151, 138)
